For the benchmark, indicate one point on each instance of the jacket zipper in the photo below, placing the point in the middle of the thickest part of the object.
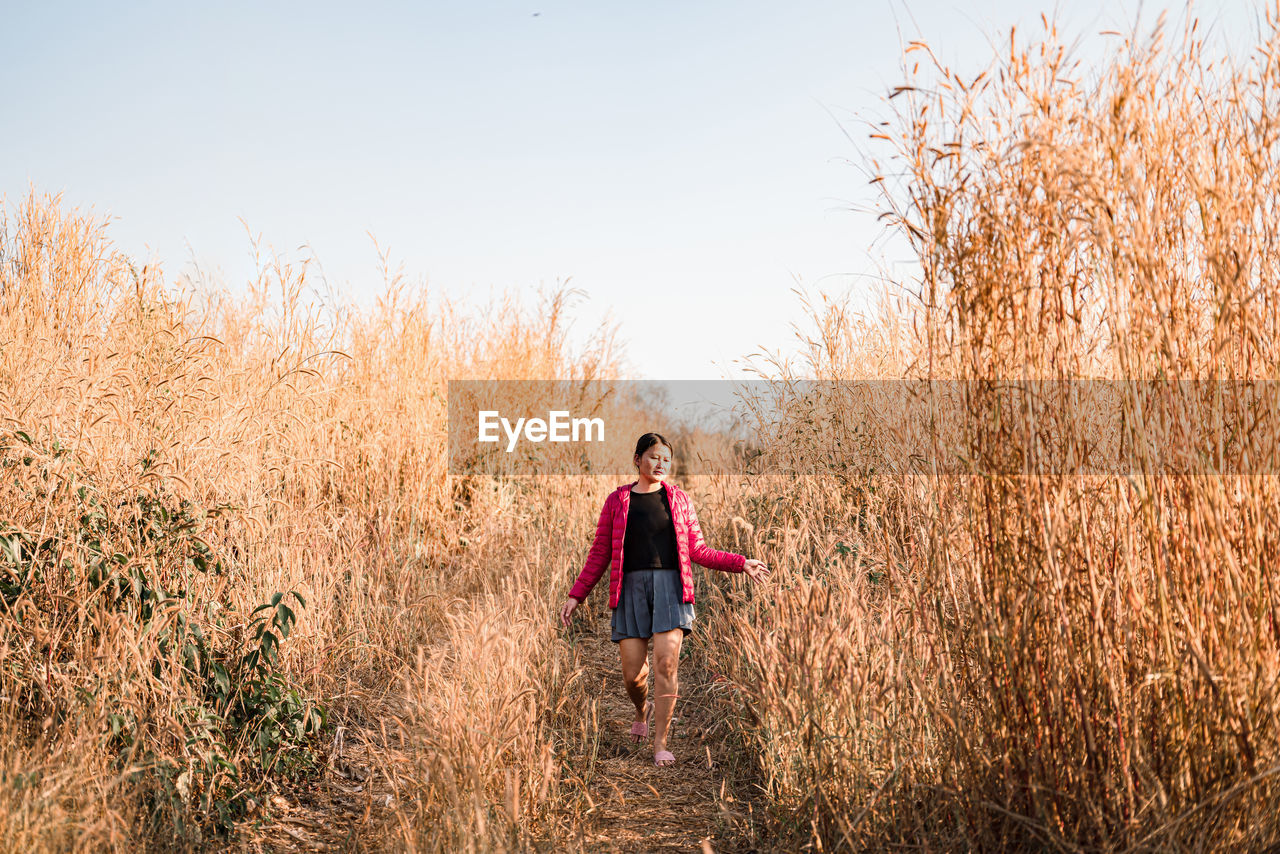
(626, 507)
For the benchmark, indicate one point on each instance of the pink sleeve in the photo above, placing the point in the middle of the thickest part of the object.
(703, 554)
(598, 557)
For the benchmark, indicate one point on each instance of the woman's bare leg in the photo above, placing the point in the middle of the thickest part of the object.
(635, 671)
(666, 660)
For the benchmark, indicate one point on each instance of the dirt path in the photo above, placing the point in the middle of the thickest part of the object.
(638, 807)
(334, 812)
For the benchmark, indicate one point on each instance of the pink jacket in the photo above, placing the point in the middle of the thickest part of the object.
(611, 530)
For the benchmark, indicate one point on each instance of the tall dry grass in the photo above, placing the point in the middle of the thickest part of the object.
(1074, 662)
(951, 661)
(173, 457)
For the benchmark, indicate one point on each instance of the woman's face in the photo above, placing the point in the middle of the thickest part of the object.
(655, 463)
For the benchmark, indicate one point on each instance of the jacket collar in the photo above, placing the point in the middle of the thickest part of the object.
(625, 489)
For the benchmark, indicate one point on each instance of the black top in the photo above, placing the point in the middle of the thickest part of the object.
(650, 540)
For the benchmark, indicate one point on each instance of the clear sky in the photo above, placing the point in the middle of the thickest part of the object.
(682, 163)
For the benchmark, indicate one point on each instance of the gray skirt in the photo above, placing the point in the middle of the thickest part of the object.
(651, 601)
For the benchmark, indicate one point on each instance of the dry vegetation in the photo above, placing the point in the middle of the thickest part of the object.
(174, 458)
(955, 662)
(1039, 661)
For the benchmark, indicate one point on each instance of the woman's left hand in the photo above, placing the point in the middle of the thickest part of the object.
(756, 570)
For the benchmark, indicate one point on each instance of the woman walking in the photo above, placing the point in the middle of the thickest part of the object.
(649, 537)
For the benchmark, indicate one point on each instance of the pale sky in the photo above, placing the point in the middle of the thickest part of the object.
(682, 163)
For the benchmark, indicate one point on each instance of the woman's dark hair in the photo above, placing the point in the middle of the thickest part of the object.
(648, 440)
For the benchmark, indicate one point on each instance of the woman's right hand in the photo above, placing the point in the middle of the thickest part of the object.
(567, 609)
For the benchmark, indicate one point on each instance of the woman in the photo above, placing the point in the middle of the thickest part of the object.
(648, 535)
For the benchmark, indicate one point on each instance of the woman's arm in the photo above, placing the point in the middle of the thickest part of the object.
(703, 554)
(598, 557)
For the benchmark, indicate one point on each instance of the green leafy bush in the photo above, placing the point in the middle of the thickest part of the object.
(210, 717)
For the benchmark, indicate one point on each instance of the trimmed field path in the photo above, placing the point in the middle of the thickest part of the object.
(635, 807)
(640, 808)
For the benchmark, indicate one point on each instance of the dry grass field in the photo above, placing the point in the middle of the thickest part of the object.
(1052, 659)
(246, 606)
